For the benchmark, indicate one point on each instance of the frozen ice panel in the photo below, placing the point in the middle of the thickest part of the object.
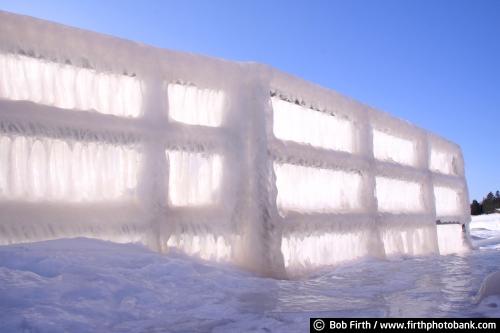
(391, 148)
(447, 201)
(398, 196)
(194, 178)
(204, 245)
(195, 106)
(68, 87)
(451, 239)
(322, 248)
(409, 240)
(43, 169)
(303, 125)
(443, 162)
(308, 189)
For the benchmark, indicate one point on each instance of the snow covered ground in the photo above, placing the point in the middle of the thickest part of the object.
(85, 285)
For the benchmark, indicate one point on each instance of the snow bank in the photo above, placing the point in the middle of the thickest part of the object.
(487, 221)
(107, 138)
(83, 285)
(486, 229)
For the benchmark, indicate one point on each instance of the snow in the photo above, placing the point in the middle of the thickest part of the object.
(487, 222)
(86, 285)
(490, 286)
(486, 231)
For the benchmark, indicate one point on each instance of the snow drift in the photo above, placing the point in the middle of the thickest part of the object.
(106, 138)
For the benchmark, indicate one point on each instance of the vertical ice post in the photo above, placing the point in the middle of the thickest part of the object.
(256, 209)
(423, 160)
(464, 194)
(154, 171)
(466, 198)
(460, 167)
(365, 149)
(428, 199)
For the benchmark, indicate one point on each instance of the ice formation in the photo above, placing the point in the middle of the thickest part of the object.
(107, 138)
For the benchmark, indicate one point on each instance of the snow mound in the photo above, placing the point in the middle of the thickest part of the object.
(86, 285)
(490, 286)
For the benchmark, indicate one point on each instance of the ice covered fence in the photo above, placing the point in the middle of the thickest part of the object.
(107, 138)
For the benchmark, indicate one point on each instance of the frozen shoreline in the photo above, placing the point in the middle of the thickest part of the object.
(90, 285)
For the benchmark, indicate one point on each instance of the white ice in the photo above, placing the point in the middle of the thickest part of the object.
(448, 202)
(205, 246)
(451, 239)
(194, 178)
(396, 195)
(195, 106)
(443, 162)
(303, 125)
(45, 82)
(308, 189)
(43, 169)
(391, 148)
(304, 252)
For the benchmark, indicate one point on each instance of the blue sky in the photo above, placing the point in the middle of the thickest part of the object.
(435, 63)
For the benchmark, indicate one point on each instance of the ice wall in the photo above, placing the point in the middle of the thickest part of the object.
(107, 138)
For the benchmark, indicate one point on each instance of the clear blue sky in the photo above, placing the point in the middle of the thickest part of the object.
(435, 63)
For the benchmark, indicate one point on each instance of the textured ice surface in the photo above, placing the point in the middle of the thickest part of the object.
(307, 189)
(396, 195)
(194, 178)
(88, 285)
(300, 124)
(409, 240)
(191, 105)
(391, 148)
(226, 161)
(205, 246)
(447, 201)
(443, 162)
(317, 249)
(44, 169)
(69, 87)
(451, 239)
